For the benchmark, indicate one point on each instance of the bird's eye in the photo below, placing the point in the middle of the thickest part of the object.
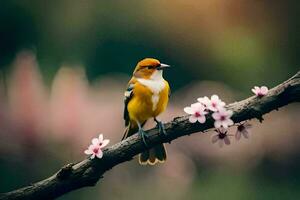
(150, 67)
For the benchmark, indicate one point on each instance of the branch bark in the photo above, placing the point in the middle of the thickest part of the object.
(88, 172)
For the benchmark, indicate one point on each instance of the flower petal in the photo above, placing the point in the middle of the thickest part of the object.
(93, 156)
(100, 138)
(264, 90)
(222, 104)
(193, 119)
(226, 140)
(238, 135)
(212, 108)
(224, 125)
(99, 154)
(216, 116)
(204, 100)
(198, 106)
(194, 105)
(217, 124)
(201, 119)
(214, 138)
(214, 97)
(229, 122)
(91, 147)
(88, 152)
(95, 141)
(200, 99)
(229, 113)
(189, 110)
(245, 134)
(104, 143)
(222, 111)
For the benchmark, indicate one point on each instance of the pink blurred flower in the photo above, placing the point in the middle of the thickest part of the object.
(197, 112)
(222, 118)
(27, 101)
(221, 136)
(243, 129)
(95, 149)
(213, 104)
(260, 91)
(69, 103)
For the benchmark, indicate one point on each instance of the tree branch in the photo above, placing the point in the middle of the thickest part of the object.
(88, 172)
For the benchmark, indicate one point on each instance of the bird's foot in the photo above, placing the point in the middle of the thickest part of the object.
(144, 136)
(161, 127)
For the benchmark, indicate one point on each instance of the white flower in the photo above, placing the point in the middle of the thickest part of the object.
(197, 112)
(100, 141)
(260, 91)
(243, 129)
(222, 118)
(213, 104)
(95, 149)
(204, 100)
(221, 136)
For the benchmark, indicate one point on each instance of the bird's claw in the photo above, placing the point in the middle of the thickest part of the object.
(144, 136)
(161, 128)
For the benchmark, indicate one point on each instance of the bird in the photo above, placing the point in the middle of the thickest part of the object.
(146, 96)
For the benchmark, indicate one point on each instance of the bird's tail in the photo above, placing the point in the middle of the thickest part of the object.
(154, 155)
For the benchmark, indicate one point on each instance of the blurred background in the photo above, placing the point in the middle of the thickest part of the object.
(65, 64)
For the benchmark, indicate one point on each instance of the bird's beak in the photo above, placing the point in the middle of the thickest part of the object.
(163, 66)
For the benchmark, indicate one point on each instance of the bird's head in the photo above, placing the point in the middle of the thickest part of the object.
(149, 68)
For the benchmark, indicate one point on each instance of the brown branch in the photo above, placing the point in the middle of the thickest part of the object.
(88, 172)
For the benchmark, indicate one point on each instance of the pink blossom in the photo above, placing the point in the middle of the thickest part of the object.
(221, 136)
(243, 129)
(222, 118)
(197, 112)
(95, 149)
(213, 104)
(260, 91)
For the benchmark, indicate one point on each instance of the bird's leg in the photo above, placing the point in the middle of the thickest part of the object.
(142, 134)
(161, 127)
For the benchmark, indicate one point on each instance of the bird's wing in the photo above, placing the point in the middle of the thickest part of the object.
(169, 89)
(127, 97)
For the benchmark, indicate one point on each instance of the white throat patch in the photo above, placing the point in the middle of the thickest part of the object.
(156, 84)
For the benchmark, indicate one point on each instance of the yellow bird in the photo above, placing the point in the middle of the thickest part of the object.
(146, 97)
